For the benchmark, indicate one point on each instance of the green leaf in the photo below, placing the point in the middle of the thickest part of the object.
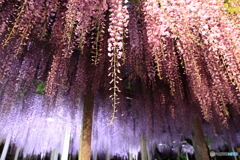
(41, 88)
(226, 5)
(181, 156)
(230, 10)
(237, 10)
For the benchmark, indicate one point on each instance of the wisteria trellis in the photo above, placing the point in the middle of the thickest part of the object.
(166, 56)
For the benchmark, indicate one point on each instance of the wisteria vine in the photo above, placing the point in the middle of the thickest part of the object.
(154, 55)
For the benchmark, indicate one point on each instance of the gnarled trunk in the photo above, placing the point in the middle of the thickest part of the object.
(199, 144)
(85, 140)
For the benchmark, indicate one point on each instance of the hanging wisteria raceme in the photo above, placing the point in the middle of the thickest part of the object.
(29, 15)
(188, 51)
(134, 58)
(224, 47)
(57, 78)
(117, 31)
(162, 41)
(6, 67)
(48, 15)
(78, 22)
(80, 16)
(28, 68)
(69, 27)
(220, 46)
(156, 28)
(187, 28)
(5, 19)
(1, 2)
(163, 48)
(36, 131)
(5, 16)
(99, 25)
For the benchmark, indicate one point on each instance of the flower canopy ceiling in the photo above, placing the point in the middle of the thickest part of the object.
(151, 64)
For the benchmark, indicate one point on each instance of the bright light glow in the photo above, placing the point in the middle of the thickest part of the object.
(49, 119)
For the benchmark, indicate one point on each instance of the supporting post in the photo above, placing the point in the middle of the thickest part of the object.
(85, 139)
(187, 156)
(149, 154)
(5, 148)
(95, 156)
(178, 151)
(199, 144)
(66, 141)
(54, 154)
(17, 153)
(130, 156)
(144, 155)
(234, 157)
(108, 155)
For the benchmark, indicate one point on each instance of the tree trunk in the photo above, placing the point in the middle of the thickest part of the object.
(85, 139)
(199, 144)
